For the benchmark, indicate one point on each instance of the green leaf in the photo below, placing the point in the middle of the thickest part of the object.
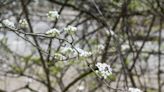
(127, 61)
(55, 70)
(17, 69)
(112, 77)
(36, 60)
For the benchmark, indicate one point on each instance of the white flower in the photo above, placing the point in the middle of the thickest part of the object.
(134, 90)
(125, 47)
(53, 15)
(28, 80)
(70, 29)
(23, 23)
(100, 47)
(58, 56)
(83, 53)
(8, 24)
(53, 32)
(81, 87)
(109, 32)
(104, 69)
(67, 50)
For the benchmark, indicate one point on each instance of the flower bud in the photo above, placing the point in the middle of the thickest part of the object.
(70, 29)
(8, 24)
(23, 23)
(53, 32)
(53, 15)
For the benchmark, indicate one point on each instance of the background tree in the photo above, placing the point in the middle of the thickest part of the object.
(81, 45)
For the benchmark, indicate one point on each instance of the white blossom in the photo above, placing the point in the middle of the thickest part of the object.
(58, 56)
(104, 69)
(53, 32)
(125, 47)
(53, 15)
(8, 24)
(23, 23)
(28, 80)
(83, 53)
(109, 32)
(67, 50)
(81, 87)
(100, 47)
(70, 29)
(134, 90)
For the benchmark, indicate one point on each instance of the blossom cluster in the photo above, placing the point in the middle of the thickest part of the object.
(100, 47)
(70, 29)
(9, 24)
(53, 15)
(23, 23)
(53, 32)
(83, 53)
(104, 69)
(70, 52)
(58, 56)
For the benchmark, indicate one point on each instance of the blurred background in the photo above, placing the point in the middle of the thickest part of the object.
(129, 31)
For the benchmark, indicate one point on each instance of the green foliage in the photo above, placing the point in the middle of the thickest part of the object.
(112, 77)
(127, 61)
(151, 90)
(27, 58)
(137, 5)
(17, 69)
(71, 62)
(36, 60)
(55, 70)
(93, 42)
